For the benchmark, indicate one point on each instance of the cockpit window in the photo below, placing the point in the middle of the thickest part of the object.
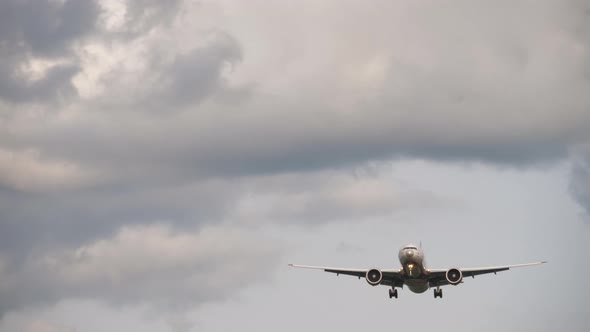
(410, 248)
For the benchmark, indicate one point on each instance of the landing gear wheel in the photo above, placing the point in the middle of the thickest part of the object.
(438, 293)
(393, 293)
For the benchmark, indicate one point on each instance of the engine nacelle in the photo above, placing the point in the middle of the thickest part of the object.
(374, 277)
(454, 276)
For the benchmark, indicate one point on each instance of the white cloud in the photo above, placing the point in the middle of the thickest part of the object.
(26, 170)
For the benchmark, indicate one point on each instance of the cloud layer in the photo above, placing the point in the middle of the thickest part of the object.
(141, 264)
(580, 177)
(143, 125)
(37, 41)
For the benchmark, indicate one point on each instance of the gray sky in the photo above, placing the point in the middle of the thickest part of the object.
(162, 162)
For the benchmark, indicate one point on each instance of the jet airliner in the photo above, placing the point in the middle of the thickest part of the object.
(414, 273)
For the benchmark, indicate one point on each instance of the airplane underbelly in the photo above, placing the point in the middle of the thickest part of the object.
(417, 285)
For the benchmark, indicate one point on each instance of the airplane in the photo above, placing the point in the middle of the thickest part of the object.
(414, 273)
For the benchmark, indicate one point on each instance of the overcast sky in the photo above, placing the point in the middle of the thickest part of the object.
(162, 161)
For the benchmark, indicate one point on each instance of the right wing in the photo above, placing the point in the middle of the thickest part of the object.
(391, 277)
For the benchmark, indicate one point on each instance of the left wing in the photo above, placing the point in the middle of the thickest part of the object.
(391, 277)
(438, 276)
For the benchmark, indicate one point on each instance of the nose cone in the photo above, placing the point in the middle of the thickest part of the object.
(409, 253)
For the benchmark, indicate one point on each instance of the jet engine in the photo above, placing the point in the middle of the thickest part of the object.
(454, 276)
(374, 277)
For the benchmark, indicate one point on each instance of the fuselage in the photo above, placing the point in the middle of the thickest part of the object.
(411, 257)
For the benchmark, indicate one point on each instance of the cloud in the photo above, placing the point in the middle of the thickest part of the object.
(79, 215)
(42, 218)
(194, 75)
(488, 95)
(44, 326)
(45, 28)
(141, 264)
(118, 115)
(41, 30)
(580, 177)
(57, 34)
(327, 196)
(27, 171)
(55, 84)
(133, 18)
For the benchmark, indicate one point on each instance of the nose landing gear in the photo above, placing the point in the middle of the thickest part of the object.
(393, 293)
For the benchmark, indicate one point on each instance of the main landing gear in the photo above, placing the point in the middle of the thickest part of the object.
(393, 293)
(438, 292)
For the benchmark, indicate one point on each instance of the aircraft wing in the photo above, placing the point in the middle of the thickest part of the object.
(391, 277)
(438, 276)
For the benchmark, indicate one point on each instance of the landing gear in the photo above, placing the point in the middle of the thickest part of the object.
(438, 292)
(393, 293)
